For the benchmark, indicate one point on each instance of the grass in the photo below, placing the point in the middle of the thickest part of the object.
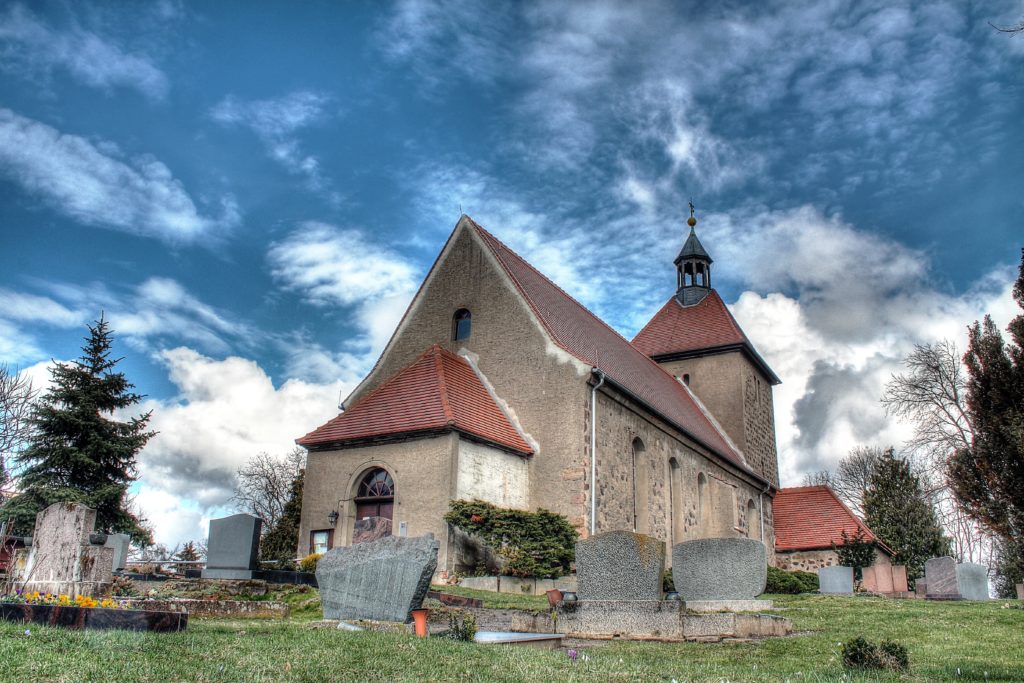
(947, 641)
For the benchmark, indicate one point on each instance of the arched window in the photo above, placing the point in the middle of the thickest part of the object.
(375, 495)
(461, 324)
(686, 379)
(641, 489)
(753, 521)
(675, 492)
(702, 503)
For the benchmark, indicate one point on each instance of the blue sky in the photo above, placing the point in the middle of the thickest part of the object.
(253, 193)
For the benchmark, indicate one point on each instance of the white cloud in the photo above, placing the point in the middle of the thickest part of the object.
(175, 520)
(330, 265)
(856, 304)
(95, 184)
(276, 122)
(32, 308)
(30, 47)
(224, 412)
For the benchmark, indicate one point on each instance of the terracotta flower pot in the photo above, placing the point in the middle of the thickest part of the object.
(554, 596)
(419, 619)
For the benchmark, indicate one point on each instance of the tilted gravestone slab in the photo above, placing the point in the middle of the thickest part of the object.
(619, 565)
(835, 580)
(940, 573)
(384, 579)
(972, 580)
(62, 559)
(233, 548)
(720, 569)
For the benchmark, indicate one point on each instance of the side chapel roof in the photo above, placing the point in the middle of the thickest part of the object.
(588, 338)
(705, 326)
(813, 518)
(437, 392)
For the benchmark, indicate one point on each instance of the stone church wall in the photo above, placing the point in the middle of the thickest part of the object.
(423, 474)
(813, 560)
(493, 476)
(740, 398)
(686, 496)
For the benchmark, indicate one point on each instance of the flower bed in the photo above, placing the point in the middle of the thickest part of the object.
(83, 612)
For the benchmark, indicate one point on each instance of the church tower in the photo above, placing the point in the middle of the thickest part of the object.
(695, 338)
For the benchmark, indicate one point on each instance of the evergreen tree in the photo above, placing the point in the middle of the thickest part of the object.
(281, 542)
(79, 452)
(987, 477)
(855, 551)
(188, 553)
(897, 510)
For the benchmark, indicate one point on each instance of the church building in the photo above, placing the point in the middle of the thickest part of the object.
(499, 386)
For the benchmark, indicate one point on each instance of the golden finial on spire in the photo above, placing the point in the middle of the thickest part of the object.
(691, 221)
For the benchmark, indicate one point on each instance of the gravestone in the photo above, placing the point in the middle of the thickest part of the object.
(383, 580)
(119, 544)
(940, 573)
(619, 565)
(233, 547)
(835, 580)
(1020, 591)
(62, 561)
(899, 579)
(972, 580)
(719, 569)
(921, 587)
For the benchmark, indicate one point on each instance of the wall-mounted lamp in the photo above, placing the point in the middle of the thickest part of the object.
(332, 517)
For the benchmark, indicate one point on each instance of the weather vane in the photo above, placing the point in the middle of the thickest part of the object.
(691, 221)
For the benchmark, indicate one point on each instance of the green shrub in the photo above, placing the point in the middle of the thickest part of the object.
(462, 629)
(861, 653)
(781, 581)
(856, 551)
(534, 544)
(308, 563)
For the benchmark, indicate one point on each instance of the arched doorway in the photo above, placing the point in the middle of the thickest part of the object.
(375, 506)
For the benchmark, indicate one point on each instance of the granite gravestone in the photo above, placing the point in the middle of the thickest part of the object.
(119, 544)
(62, 560)
(940, 574)
(232, 550)
(720, 569)
(619, 565)
(1020, 591)
(972, 581)
(835, 580)
(383, 580)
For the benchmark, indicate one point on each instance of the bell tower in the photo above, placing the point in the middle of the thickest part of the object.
(693, 268)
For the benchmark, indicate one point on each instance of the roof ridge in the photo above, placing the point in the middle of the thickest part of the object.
(732, 319)
(552, 283)
(442, 385)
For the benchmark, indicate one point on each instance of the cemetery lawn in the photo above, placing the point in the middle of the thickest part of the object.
(947, 641)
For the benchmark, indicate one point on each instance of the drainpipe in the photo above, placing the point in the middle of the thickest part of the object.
(593, 449)
(760, 507)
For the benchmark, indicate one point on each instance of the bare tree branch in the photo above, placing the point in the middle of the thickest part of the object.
(17, 397)
(264, 485)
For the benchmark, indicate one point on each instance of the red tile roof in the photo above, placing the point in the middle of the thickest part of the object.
(438, 392)
(813, 517)
(586, 337)
(705, 325)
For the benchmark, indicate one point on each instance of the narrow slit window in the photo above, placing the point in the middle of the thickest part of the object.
(462, 323)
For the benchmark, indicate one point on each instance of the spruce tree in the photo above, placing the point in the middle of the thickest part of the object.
(987, 478)
(281, 542)
(897, 510)
(79, 452)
